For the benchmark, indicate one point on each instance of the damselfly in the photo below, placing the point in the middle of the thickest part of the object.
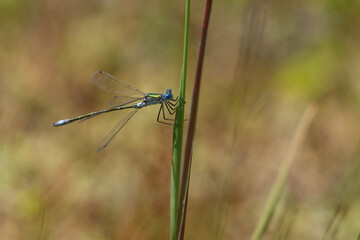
(126, 97)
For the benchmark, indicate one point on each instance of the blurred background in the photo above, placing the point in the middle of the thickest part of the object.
(264, 64)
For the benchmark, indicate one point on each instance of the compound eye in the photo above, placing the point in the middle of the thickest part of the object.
(168, 97)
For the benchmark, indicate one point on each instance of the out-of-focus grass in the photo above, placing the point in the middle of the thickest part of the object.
(51, 181)
(278, 188)
(345, 202)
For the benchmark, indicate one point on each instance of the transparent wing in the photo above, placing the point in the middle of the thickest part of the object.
(122, 100)
(110, 83)
(115, 130)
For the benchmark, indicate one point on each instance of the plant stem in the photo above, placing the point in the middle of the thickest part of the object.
(178, 135)
(185, 179)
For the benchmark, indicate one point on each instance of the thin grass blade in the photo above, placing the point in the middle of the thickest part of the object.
(178, 135)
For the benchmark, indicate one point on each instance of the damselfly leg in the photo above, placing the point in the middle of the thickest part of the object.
(171, 107)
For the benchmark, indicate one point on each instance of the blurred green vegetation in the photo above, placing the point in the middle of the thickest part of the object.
(54, 186)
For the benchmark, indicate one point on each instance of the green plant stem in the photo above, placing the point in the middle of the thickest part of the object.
(178, 135)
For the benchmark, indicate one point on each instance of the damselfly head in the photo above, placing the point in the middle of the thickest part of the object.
(168, 95)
